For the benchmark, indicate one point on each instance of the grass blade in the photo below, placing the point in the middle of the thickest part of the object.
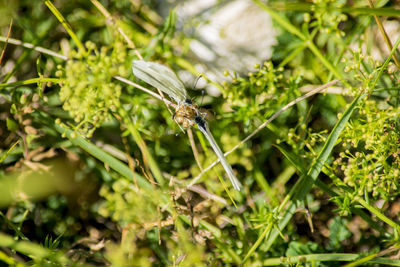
(303, 186)
(96, 152)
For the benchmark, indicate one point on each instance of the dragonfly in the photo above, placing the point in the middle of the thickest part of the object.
(187, 112)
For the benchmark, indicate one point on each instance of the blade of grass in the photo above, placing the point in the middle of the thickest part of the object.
(30, 81)
(6, 42)
(304, 184)
(384, 35)
(147, 157)
(377, 213)
(34, 47)
(35, 251)
(362, 260)
(374, 256)
(291, 56)
(307, 7)
(263, 184)
(4, 156)
(332, 192)
(383, 67)
(333, 257)
(194, 148)
(386, 12)
(65, 24)
(95, 151)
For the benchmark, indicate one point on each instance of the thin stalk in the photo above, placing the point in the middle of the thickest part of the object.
(377, 213)
(119, 78)
(385, 36)
(258, 242)
(332, 257)
(2, 158)
(65, 24)
(291, 56)
(299, 6)
(108, 17)
(147, 157)
(194, 149)
(383, 67)
(6, 41)
(30, 81)
(32, 46)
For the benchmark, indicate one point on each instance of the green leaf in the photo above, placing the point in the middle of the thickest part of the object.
(338, 232)
(12, 125)
(299, 248)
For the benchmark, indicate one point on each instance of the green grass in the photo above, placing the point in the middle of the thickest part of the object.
(94, 170)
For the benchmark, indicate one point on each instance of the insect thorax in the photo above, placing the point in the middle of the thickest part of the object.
(186, 113)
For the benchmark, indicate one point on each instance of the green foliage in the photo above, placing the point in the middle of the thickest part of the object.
(50, 243)
(126, 205)
(338, 233)
(296, 248)
(254, 97)
(369, 162)
(327, 16)
(88, 91)
(320, 181)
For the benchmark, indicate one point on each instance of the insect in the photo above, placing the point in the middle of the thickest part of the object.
(187, 112)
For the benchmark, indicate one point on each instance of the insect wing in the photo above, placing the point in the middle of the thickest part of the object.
(206, 131)
(161, 77)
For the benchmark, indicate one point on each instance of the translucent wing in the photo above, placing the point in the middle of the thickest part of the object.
(160, 77)
(206, 131)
